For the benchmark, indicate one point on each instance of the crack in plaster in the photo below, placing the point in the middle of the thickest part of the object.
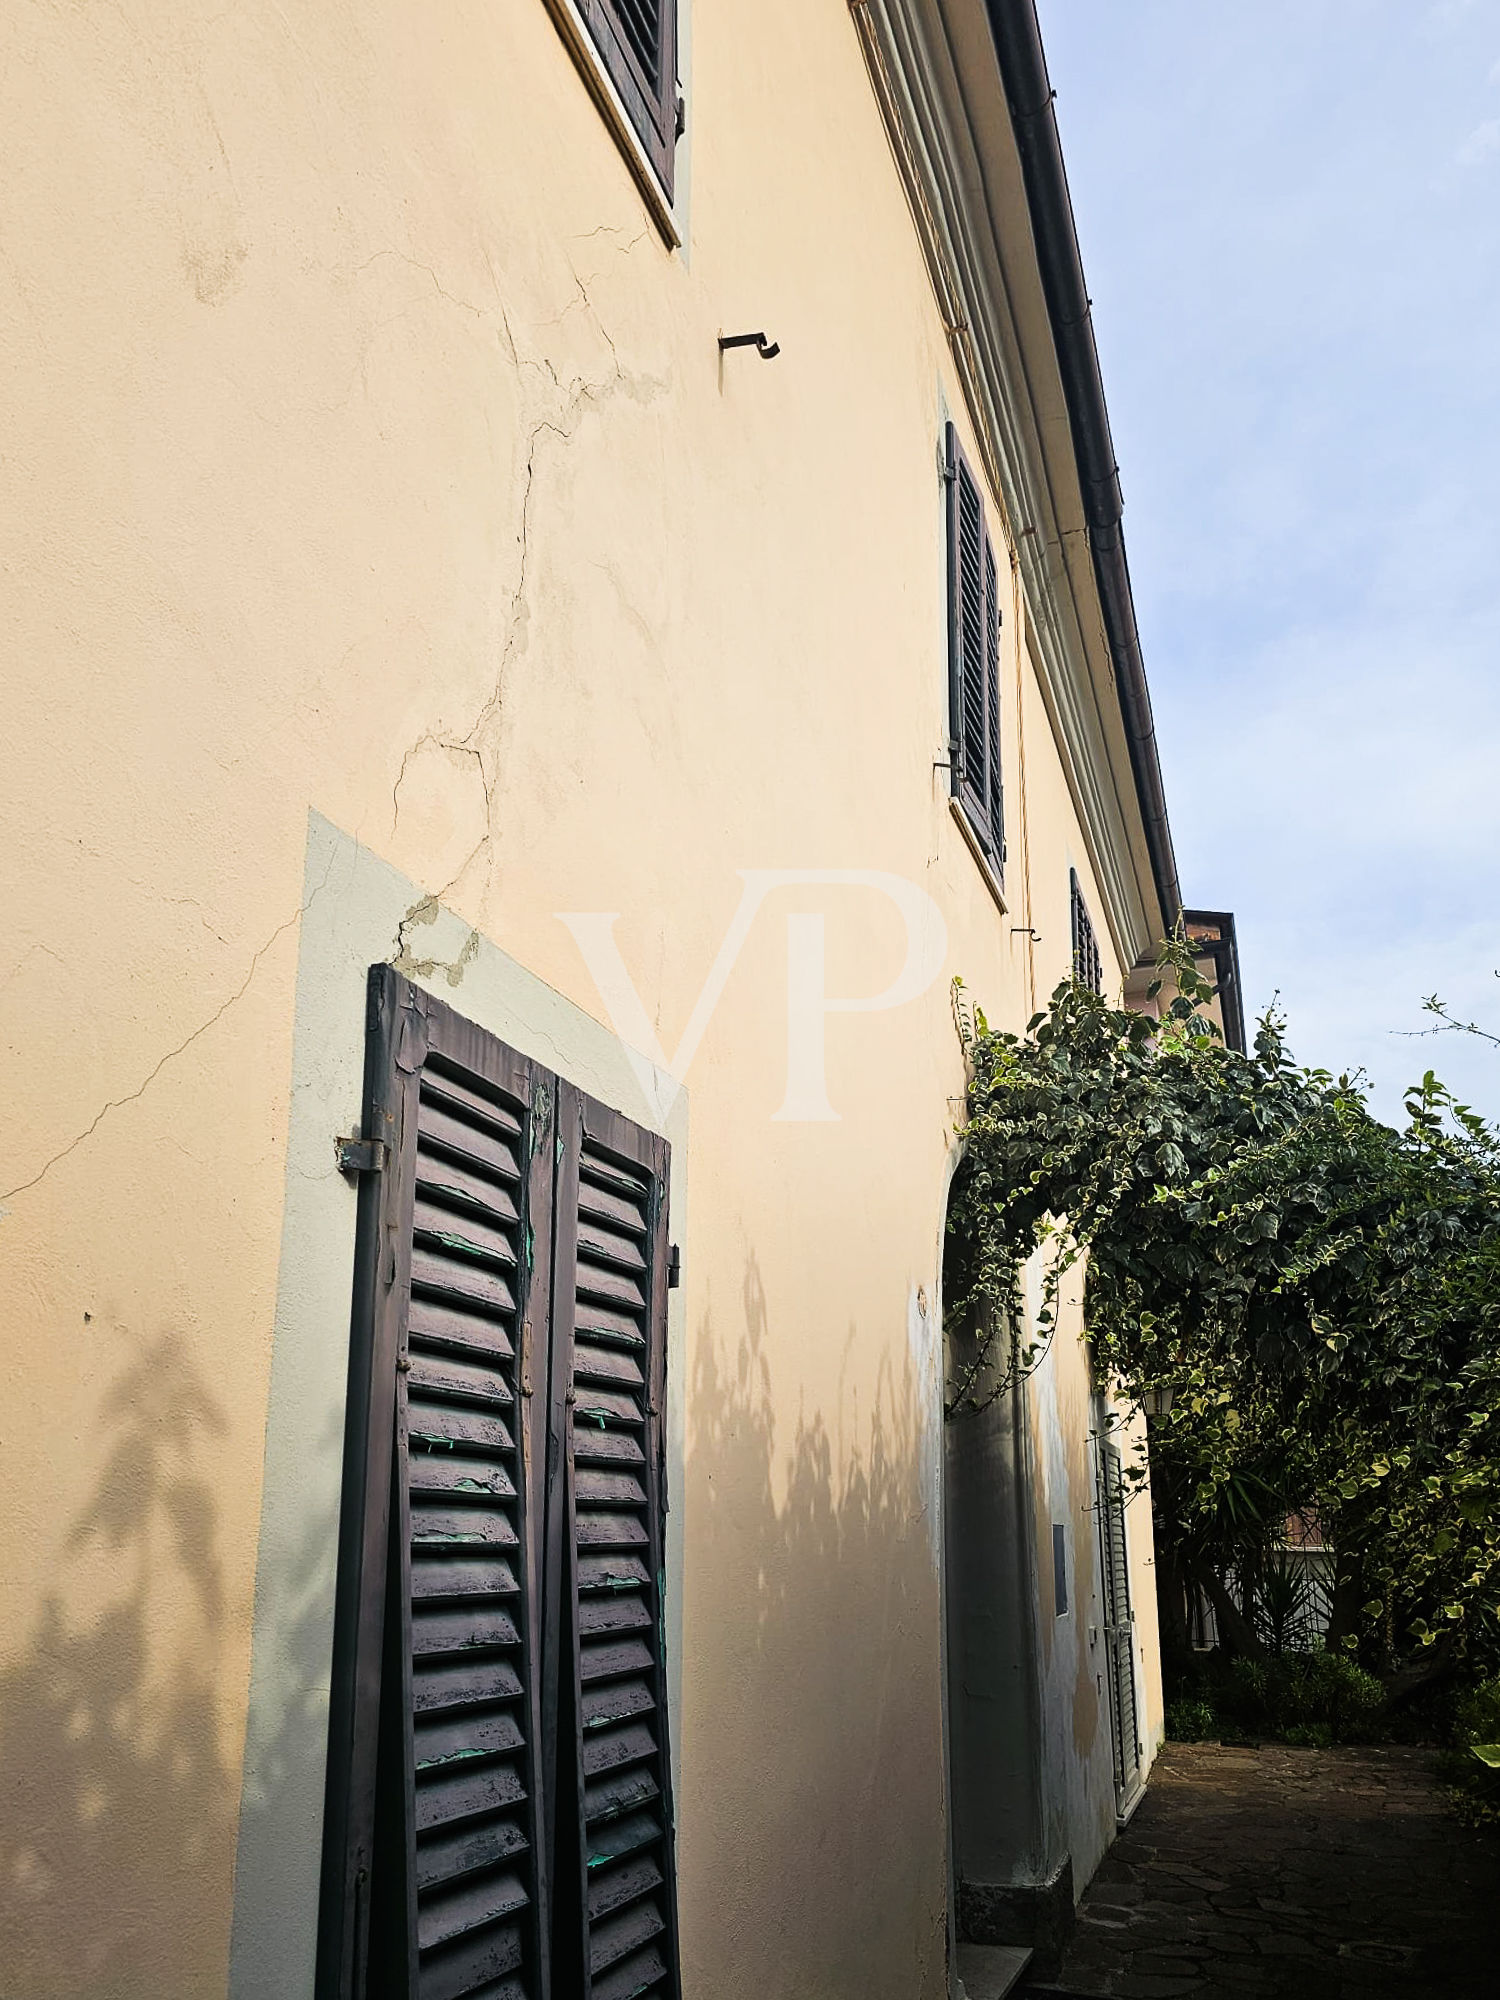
(562, 422)
(132, 1096)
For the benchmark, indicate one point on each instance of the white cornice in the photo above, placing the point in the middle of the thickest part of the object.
(933, 66)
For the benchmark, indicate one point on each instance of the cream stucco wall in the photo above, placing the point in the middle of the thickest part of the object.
(365, 449)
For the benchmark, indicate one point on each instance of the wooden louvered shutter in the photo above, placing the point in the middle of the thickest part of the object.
(434, 1845)
(637, 40)
(1088, 965)
(974, 656)
(1119, 1627)
(615, 1882)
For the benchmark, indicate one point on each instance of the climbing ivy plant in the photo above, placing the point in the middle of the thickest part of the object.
(1320, 1291)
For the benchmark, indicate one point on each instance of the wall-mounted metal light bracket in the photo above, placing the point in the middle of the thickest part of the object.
(766, 349)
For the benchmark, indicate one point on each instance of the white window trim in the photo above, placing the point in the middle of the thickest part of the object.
(669, 214)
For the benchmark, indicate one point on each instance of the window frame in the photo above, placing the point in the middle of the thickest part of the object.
(974, 572)
(648, 119)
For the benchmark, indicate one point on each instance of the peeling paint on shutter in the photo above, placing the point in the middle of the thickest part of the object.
(609, 1364)
(442, 1861)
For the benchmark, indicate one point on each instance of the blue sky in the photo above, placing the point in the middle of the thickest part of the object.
(1290, 219)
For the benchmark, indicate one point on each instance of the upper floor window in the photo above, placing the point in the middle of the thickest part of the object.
(1088, 966)
(973, 658)
(637, 44)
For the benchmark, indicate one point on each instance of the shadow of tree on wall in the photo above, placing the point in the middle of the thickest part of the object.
(812, 1724)
(278, 1854)
(116, 1807)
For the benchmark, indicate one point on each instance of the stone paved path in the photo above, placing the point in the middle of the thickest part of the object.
(1299, 1874)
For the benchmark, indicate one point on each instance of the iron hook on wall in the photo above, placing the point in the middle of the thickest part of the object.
(766, 349)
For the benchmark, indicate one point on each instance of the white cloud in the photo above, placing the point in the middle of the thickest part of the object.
(1482, 143)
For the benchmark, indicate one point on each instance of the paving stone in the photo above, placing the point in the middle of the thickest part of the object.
(1282, 1874)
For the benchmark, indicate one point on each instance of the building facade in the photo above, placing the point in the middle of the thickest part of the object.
(502, 771)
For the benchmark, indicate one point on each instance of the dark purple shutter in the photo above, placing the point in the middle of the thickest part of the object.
(637, 40)
(974, 656)
(1088, 965)
(434, 1837)
(616, 1883)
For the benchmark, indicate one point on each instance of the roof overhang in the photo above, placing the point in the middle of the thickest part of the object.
(964, 91)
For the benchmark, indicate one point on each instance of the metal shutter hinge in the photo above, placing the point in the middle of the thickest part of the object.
(362, 1156)
(674, 1268)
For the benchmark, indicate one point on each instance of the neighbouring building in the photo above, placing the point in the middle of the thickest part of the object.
(563, 578)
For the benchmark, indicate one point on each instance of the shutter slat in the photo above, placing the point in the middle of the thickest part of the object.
(622, 1885)
(599, 1364)
(616, 1702)
(450, 1576)
(619, 1839)
(438, 1632)
(447, 1796)
(443, 1180)
(645, 1973)
(598, 1529)
(465, 1332)
(599, 1616)
(460, 1970)
(609, 1489)
(443, 1857)
(613, 1938)
(606, 1660)
(459, 1527)
(612, 1749)
(444, 1278)
(457, 1090)
(453, 1474)
(607, 1406)
(468, 1908)
(611, 1573)
(469, 1685)
(593, 1446)
(440, 1133)
(442, 1743)
(617, 1206)
(462, 1234)
(469, 1381)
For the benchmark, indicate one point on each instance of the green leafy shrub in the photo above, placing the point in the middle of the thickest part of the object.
(1191, 1721)
(1317, 1698)
(1472, 1768)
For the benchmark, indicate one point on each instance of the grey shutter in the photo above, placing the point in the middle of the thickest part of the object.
(637, 40)
(434, 1839)
(973, 655)
(1119, 1627)
(616, 1878)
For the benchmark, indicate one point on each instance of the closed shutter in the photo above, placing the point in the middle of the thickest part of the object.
(974, 656)
(1088, 966)
(434, 1843)
(616, 1876)
(637, 40)
(1119, 1627)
